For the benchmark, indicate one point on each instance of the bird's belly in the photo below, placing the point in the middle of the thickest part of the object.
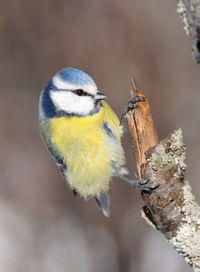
(88, 167)
(85, 153)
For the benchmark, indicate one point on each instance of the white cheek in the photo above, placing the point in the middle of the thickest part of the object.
(71, 103)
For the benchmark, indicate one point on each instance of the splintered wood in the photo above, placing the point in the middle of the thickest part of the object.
(141, 127)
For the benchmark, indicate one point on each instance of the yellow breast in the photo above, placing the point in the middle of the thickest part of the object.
(82, 143)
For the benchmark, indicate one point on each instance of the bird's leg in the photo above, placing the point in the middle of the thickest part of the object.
(142, 185)
(130, 105)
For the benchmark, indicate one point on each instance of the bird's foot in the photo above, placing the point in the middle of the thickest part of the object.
(141, 185)
(131, 105)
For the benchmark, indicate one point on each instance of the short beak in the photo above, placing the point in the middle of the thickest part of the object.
(99, 96)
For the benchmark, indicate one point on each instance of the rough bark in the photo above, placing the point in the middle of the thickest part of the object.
(171, 208)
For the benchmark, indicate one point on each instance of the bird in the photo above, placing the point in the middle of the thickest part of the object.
(83, 134)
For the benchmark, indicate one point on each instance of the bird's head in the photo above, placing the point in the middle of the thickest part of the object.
(70, 92)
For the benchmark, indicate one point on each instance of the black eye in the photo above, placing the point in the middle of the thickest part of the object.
(79, 92)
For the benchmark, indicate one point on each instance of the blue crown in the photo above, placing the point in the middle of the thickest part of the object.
(75, 76)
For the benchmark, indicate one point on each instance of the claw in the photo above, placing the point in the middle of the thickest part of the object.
(141, 185)
(146, 188)
(143, 182)
(130, 105)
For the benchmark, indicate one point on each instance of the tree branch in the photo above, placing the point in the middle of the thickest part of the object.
(170, 208)
(189, 12)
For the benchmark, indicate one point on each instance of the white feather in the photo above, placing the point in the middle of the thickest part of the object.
(71, 103)
(59, 83)
(41, 111)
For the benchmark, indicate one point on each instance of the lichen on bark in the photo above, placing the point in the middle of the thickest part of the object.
(172, 208)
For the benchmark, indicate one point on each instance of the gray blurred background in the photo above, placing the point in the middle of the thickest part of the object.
(43, 227)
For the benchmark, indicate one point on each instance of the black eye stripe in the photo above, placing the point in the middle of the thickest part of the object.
(79, 92)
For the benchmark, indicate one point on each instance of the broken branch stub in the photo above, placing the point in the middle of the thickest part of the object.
(142, 138)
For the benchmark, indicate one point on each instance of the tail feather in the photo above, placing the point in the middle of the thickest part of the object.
(103, 203)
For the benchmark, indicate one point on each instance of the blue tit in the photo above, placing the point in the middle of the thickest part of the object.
(82, 133)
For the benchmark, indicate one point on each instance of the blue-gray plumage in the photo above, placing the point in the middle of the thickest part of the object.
(108, 130)
(73, 75)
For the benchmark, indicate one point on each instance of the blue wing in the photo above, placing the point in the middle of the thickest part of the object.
(108, 130)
